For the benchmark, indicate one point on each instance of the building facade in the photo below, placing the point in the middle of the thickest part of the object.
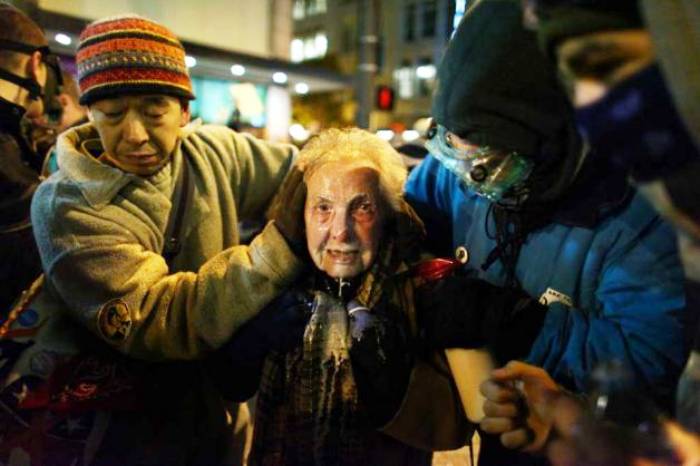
(411, 37)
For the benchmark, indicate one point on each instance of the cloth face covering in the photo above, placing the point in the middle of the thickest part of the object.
(488, 172)
(638, 128)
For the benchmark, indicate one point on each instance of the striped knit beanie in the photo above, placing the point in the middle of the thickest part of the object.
(129, 54)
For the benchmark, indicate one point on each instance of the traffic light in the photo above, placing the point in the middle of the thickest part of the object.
(385, 98)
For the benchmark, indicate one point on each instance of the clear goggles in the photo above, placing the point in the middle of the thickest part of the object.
(491, 173)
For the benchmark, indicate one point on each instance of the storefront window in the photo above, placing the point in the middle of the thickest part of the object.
(296, 50)
(298, 10)
(309, 47)
(403, 77)
(429, 18)
(409, 31)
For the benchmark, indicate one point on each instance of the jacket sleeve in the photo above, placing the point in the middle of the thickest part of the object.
(255, 167)
(261, 167)
(124, 293)
(638, 318)
(428, 191)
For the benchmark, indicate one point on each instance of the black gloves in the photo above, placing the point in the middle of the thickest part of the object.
(461, 312)
(280, 326)
(381, 362)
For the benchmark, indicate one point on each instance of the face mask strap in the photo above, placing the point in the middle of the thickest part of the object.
(26, 83)
(33, 87)
(472, 169)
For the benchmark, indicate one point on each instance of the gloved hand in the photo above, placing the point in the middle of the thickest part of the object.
(381, 362)
(280, 326)
(461, 312)
(287, 210)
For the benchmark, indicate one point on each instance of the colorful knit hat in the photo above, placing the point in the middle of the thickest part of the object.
(129, 54)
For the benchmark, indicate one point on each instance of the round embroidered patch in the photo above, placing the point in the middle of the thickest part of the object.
(114, 321)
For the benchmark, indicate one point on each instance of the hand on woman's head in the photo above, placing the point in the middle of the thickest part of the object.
(287, 209)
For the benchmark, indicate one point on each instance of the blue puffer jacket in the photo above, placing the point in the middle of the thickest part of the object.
(614, 289)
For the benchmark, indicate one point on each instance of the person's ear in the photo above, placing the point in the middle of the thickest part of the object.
(185, 115)
(64, 100)
(36, 68)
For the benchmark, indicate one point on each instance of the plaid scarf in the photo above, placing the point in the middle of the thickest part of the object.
(308, 411)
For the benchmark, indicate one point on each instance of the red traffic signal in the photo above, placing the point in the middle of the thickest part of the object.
(385, 98)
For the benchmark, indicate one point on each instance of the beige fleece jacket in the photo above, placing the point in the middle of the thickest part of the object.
(100, 235)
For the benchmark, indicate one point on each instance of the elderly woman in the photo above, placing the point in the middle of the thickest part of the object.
(324, 396)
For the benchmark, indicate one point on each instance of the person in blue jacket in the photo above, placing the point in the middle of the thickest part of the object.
(568, 265)
(638, 109)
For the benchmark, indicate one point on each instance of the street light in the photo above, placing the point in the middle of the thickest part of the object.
(279, 77)
(237, 70)
(385, 134)
(63, 39)
(298, 132)
(410, 135)
(425, 72)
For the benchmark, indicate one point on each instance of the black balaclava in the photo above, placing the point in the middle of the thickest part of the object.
(496, 88)
(674, 31)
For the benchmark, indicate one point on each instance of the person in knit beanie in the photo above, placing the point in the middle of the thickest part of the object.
(144, 277)
(122, 61)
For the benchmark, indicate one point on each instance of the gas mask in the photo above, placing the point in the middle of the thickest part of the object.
(491, 173)
(54, 80)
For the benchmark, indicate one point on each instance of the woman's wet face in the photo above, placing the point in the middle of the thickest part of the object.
(344, 217)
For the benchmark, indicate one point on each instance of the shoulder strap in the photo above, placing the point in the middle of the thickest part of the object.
(184, 188)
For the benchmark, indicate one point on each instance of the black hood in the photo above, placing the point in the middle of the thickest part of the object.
(558, 20)
(496, 88)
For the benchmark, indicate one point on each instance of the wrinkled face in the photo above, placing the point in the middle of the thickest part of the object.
(344, 216)
(139, 133)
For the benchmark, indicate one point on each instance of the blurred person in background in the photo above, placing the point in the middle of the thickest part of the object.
(138, 235)
(72, 114)
(25, 64)
(636, 89)
(583, 270)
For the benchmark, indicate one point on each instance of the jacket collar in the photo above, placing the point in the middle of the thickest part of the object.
(77, 151)
(600, 189)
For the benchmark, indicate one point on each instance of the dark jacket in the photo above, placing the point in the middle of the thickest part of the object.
(19, 176)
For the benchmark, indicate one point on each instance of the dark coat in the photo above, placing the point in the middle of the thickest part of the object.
(19, 176)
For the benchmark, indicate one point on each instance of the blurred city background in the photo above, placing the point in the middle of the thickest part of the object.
(285, 69)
